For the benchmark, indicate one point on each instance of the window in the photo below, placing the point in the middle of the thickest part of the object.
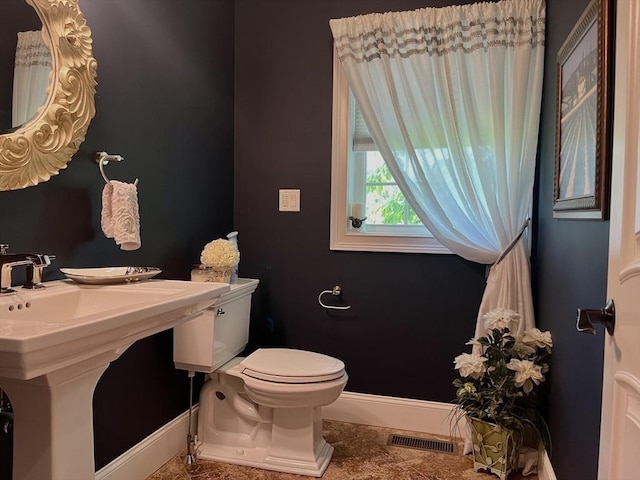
(362, 183)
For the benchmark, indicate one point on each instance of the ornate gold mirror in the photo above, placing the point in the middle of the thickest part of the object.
(42, 146)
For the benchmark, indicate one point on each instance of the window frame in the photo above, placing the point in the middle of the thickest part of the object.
(400, 239)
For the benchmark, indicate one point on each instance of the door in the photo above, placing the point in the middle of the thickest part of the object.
(620, 428)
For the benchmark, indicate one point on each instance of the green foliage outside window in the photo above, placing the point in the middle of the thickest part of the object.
(386, 205)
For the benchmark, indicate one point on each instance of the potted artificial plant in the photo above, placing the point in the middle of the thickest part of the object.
(497, 391)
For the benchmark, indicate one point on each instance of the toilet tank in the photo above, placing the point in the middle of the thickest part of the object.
(219, 334)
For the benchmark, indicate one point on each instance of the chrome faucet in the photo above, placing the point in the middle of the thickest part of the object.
(35, 263)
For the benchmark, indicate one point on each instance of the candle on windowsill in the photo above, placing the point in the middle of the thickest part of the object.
(358, 210)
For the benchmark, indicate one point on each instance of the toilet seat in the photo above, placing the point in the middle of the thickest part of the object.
(285, 365)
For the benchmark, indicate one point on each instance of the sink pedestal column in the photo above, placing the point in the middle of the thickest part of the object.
(53, 421)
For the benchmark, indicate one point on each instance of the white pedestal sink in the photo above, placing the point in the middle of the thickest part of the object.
(55, 343)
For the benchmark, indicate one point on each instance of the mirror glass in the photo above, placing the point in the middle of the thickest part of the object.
(17, 16)
(43, 145)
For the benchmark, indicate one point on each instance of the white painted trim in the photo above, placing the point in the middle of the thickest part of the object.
(390, 412)
(141, 460)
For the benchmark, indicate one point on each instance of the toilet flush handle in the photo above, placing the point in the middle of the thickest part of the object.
(220, 311)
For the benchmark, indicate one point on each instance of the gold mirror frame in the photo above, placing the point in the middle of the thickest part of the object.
(44, 145)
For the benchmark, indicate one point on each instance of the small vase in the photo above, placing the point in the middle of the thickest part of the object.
(206, 273)
(494, 448)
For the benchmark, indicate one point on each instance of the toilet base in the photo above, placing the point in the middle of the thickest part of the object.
(291, 442)
(260, 458)
(234, 429)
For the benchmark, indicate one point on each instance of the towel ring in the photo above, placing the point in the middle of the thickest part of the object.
(337, 291)
(103, 158)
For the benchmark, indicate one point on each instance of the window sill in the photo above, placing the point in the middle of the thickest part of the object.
(384, 243)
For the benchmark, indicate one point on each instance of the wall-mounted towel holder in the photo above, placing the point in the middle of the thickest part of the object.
(103, 158)
(336, 291)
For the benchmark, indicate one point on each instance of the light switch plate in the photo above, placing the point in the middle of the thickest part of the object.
(289, 200)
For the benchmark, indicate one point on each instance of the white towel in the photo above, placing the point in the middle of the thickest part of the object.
(120, 218)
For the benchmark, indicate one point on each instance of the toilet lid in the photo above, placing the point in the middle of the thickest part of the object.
(285, 365)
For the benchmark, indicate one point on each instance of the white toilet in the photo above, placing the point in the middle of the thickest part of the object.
(263, 410)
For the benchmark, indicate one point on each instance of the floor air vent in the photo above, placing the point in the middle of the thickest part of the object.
(421, 444)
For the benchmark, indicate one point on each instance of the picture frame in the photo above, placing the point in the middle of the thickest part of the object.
(583, 116)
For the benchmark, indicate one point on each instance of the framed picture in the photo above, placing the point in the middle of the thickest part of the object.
(583, 116)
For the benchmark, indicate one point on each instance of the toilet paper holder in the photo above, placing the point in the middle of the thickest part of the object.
(335, 291)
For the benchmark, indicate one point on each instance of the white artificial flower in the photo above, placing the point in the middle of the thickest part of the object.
(471, 365)
(474, 342)
(522, 350)
(501, 318)
(533, 336)
(527, 373)
(220, 253)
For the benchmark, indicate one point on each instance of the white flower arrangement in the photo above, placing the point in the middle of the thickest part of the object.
(500, 318)
(220, 253)
(499, 379)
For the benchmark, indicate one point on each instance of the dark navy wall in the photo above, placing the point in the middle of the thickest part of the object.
(411, 313)
(164, 101)
(570, 271)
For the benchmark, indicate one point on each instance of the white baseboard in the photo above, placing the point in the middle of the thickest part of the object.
(391, 412)
(146, 457)
(140, 461)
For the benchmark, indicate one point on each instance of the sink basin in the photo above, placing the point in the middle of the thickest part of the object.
(55, 343)
(44, 330)
(27, 315)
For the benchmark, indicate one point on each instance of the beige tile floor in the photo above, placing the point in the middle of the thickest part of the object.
(361, 453)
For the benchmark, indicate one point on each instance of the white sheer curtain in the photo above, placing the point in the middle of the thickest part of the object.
(452, 99)
(31, 76)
